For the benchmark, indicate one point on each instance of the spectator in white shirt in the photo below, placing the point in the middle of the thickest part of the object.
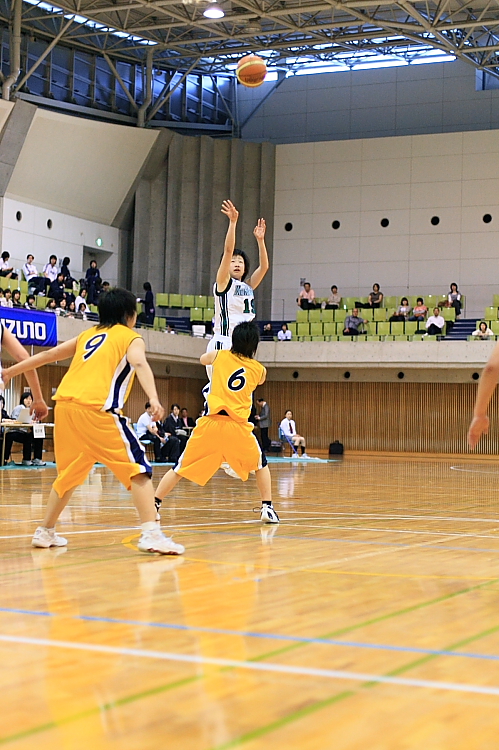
(483, 331)
(288, 428)
(454, 299)
(6, 300)
(36, 283)
(284, 334)
(82, 300)
(435, 323)
(6, 267)
(147, 429)
(50, 269)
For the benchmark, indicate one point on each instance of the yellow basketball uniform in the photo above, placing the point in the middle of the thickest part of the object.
(89, 425)
(225, 435)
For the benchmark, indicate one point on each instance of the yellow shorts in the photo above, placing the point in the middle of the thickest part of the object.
(83, 437)
(216, 439)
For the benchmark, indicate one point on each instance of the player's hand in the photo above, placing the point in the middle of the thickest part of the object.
(39, 409)
(259, 230)
(229, 209)
(478, 427)
(157, 410)
(6, 376)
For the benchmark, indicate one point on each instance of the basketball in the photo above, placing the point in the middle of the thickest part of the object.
(251, 71)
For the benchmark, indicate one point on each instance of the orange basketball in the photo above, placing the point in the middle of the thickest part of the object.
(251, 71)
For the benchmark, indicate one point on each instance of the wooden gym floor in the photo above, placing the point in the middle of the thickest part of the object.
(368, 619)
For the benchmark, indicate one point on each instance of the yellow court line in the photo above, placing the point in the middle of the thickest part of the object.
(126, 542)
(345, 572)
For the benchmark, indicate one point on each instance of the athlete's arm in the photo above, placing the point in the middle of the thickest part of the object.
(223, 273)
(258, 274)
(208, 357)
(19, 353)
(136, 355)
(488, 381)
(264, 377)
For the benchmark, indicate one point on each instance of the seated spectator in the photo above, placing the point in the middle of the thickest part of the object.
(62, 308)
(50, 271)
(71, 313)
(402, 312)
(3, 413)
(57, 289)
(105, 287)
(353, 324)
(16, 298)
(419, 311)
(284, 334)
(435, 323)
(24, 436)
(36, 283)
(172, 427)
(51, 305)
(147, 429)
(93, 282)
(6, 300)
(374, 299)
(170, 328)
(82, 299)
(6, 267)
(187, 421)
(306, 298)
(483, 331)
(68, 279)
(30, 303)
(288, 428)
(267, 332)
(454, 299)
(333, 302)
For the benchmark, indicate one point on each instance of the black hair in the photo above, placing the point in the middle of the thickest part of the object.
(66, 261)
(146, 286)
(454, 284)
(482, 323)
(116, 307)
(259, 400)
(30, 296)
(61, 273)
(376, 285)
(245, 339)
(306, 282)
(246, 261)
(284, 324)
(5, 255)
(105, 283)
(53, 256)
(24, 396)
(334, 287)
(404, 299)
(173, 406)
(16, 291)
(93, 261)
(50, 302)
(7, 289)
(420, 299)
(148, 405)
(30, 255)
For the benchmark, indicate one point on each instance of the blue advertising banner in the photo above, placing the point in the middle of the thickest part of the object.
(30, 327)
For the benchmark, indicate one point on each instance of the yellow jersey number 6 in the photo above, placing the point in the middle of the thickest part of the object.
(93, 344)
(237, 381)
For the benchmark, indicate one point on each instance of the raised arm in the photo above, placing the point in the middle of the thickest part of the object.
(223, 273)
(136, 355)
(258, 274)
(486, 387)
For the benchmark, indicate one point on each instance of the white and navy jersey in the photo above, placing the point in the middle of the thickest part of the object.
(236, 304)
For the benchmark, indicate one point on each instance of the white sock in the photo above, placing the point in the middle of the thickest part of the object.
(149, 526)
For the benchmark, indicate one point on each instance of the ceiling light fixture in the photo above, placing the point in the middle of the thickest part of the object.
(213, 11)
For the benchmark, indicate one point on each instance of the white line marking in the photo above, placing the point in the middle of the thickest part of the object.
(254, 666)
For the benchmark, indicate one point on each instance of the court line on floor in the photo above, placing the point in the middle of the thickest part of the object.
(449, 534)
(259, 635)
(253, 666)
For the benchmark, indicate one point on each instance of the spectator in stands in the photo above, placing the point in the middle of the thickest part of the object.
(62, 308)
(419, 311)
(267, 332)
(288, 428)
(334, 300)
(30, 303)
(6, 267)
(375, 298)
(263, 421)
(57, 288)
(3, 413)
(483, 331)
(71, 313)
(147, 429)
(93, 282)
(36, 283)
(170, 328)
(82, 299)
(187, 421)
(25, 436)
(454, 299)
(105, 287)
(6, 300)
(173, 427)
(148, 302)
(435, 323)
(284, 334)
(306, 298)
(353, 324)
(402, 312)
(68, 279)
(16, 298)
(50, 271)
(82, 311)
(51, 305)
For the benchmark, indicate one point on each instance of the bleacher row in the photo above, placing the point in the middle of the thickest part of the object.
(374, 330)
(392, 302)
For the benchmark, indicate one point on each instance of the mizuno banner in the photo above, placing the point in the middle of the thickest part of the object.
(30, 327)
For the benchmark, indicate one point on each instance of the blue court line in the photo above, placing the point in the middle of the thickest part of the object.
(263, 636)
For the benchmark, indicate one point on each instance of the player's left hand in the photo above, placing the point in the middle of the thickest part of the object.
(478, 427)
(158, 412)
(259, 230)
(39, 409)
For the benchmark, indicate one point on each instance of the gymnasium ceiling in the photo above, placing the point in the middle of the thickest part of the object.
(291, 34)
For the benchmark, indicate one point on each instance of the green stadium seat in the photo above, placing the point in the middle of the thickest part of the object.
(411, 326)
(329, 329)
(188, 300)
(159, 324)
(383, 328)
(372, 337)
(391, 302)
(23, 286)
(301, 316)
(304, 338)
(318, 338)
(196, 314)
(162, 300)
(348, 302)
(292, 328)
(494, 326)
(364, 300)
(316, 329)
(400, 337)
(429, 338)
(448, 313)
(397, 328)
(490, 313)
(175, 300)
(495, 302)
(303, 329)
(379, 314)
(314, 316)
(340, 315)
(327, 316)
(431, 301)
(200, 300)
(208, 313)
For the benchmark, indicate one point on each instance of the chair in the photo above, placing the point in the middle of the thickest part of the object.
(188, 300)
(327, 316)
(159, 324)
(301, 316)
(397, 328)
(23, 286)
(208, 314)
(316, 329)
(390, 302)
(349, 302)
(490, 313)
(379, 314)
(196, 314)
(340, 315)
(372, 337)
(303, 329)
(314, 316)
(411, 326)
(329, 329)
(200, 300)
(431, 301)
(40, 302)
(285, 440)
(449, 313)
(494, 326)
(292, 328)
(400, 337)
(162, 300)
(383, 328)
(496, 300)
(318, 338)
(175, 300)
